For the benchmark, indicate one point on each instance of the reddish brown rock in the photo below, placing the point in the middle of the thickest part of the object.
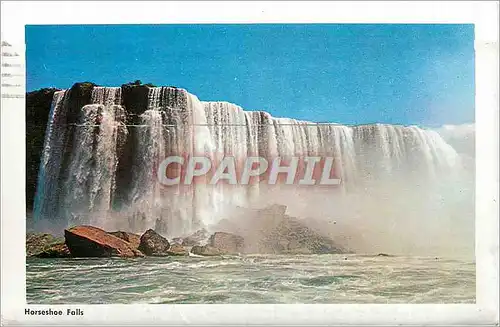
(133, 239)
(89, 241)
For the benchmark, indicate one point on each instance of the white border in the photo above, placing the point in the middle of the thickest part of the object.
(14, 15)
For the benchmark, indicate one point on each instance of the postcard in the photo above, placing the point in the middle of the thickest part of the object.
(210, 166)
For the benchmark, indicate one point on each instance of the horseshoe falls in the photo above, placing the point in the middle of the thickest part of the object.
(103, 147)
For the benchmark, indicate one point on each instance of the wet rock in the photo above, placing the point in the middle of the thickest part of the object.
(177, 250)
(290, 236)
(205, 250)
(89, 241)
(133, 239)
(271, 230)
(59, 250)
(37, 243)
(37, 114)
(153, 244)
(227, 243)
(198, 238)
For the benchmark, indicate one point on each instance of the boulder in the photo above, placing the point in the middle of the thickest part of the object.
(291, 236)
(227, 243)
(133, 239)
(89, 241)
(59, 250)
(198, 238)
(271, 230)
(37, 243)
(153, 244)
(176, 249)
(205, 250)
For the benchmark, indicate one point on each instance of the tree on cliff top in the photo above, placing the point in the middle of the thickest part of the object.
(137, 83)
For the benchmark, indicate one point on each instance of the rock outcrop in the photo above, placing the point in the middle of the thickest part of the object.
(37, 243)
(131, 238)
(205, 250)
(198, 238)
(59, 250)
(290, 236)
(177, 250)
(153, 244)
(267, 230)
(220, 243)
(89, 241)
(227, 243)
(271, 230)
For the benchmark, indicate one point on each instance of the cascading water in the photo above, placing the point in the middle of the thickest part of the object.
(106, 95)
(119, 142)
(46, 203)
(90, 181)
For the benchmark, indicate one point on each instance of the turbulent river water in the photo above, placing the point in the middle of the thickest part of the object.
(251, 279)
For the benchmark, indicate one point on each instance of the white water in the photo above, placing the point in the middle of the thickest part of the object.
(255, 279)
(88, 188)
(48, 185)
(396, 179)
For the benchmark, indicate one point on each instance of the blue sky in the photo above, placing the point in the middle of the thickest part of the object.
(351, 74)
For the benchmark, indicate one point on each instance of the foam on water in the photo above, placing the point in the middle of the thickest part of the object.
(252, 279)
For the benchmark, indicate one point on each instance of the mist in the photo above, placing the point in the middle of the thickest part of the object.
(404, 189)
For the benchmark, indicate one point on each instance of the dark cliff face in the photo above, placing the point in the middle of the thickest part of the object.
(75, 98)
(37, 114)
(135, 99)
(38, 103)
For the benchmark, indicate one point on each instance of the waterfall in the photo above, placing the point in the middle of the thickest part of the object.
(90, 181)
(106, 95)
(106, 174)
(47, 189)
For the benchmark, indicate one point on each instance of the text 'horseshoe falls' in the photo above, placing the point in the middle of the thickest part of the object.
(103, 147)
